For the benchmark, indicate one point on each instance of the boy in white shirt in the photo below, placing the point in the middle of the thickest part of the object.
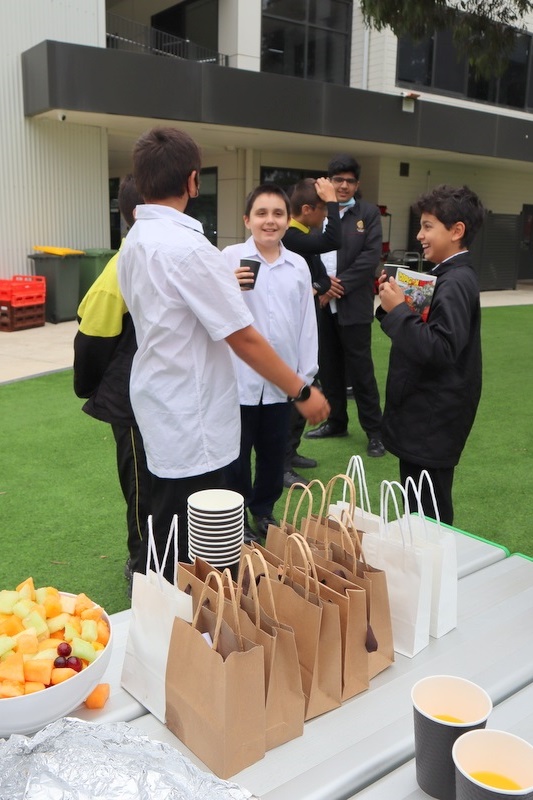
(186, 307)
(282, 306)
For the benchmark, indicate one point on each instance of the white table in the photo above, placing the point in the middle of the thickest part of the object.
(474, 553)
(514, 715)
(371, 735)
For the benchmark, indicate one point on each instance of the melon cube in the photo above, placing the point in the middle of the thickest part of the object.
(70, 632)
(83, 649)
(11, 625)
(39, 670)
(11, 689)
(23, 607)
(33, 686)
(60, 674)
(12, 668)
(26, 589)
(35, 620)
(7, 654)
(89, 631)
(56, 623)
(8, 600)
(68, 604)
(27, 642)
(6, 643)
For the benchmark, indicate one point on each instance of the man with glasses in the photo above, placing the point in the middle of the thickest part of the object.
(347, 312)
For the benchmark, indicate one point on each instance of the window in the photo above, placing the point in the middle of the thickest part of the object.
(435, 64)
(307, 38)
(286, 177)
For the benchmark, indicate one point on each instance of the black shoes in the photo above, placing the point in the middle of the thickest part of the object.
(290, 477)
(301, 462)
(375, 447)
(250, 536)
(325, 431)
(261, 525)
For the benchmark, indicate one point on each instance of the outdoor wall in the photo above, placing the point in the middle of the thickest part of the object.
(54, 174)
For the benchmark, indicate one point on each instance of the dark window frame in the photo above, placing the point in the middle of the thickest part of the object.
(307, 27)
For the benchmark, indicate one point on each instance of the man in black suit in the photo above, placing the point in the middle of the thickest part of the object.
(347, 312)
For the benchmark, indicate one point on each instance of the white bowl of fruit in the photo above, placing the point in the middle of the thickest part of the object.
(54, 650)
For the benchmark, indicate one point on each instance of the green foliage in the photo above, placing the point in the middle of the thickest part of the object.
(483, 30)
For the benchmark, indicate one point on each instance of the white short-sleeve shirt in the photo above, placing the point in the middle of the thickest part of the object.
(184, 301)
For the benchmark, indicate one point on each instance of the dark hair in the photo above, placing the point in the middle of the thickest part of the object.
(453, 204)
(344, 163)
(128, 198)
(304, 193)
(163, 160)
(266, 188)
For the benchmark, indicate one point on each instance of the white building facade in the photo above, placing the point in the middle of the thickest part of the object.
(297, 82)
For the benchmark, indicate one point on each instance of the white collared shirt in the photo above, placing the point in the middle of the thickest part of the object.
(184, 301)
(284, 313)
(329, 259)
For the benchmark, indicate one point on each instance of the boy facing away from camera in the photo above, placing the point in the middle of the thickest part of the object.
(282, 306)
(188, 313)
(434, 377)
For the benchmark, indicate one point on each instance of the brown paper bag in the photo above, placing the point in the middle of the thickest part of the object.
(284, 697)
(325, 527)
(192, 580)
(276, 537)
(215, 695)
(350, 556)
(317, 631)
(351, 601)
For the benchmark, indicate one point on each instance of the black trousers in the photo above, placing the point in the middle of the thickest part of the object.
(442, 483)
(169, 497)
(135, 482)
(296, 429)
(345, 358)
(263, 428)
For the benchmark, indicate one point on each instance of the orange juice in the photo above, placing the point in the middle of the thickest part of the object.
(495, 780)
(447, 718)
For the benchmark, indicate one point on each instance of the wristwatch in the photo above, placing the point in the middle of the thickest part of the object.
(303, 394)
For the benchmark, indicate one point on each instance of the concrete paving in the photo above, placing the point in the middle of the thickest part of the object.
(36, 351)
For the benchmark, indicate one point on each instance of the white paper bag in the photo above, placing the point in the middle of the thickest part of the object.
(361, 514)
(442, 545)
(408, 566)
(155, 603)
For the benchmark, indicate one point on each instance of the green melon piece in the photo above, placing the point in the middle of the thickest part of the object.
(89, 631)
(83, 649)
(6, 643)
(8, 600)
(57, 623)
(34, 620)
(23, 607)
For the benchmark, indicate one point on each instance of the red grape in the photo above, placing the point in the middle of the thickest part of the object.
(74, 663)
(64, 649)
(60, 661)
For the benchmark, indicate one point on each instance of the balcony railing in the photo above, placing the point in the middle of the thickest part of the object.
(124, 34)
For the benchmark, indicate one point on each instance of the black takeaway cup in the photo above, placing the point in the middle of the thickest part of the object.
(253, 266)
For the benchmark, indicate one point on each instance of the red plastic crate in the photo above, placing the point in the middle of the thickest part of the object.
(23, 290)
(18, 318)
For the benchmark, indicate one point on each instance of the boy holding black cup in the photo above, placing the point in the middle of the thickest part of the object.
(281, 302)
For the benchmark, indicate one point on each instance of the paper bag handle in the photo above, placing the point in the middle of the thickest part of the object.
(417, 491)
(151, 553)
(386, 493)
(297, 540)
(356, 467)
(220, 580)
(246, 562)
(307, 521)
(306, 494)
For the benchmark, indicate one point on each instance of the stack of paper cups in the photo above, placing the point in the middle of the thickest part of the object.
(216, 526)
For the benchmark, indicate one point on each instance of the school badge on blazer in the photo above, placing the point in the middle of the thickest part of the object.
(360, 226)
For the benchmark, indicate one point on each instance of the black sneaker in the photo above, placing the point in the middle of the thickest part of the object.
(325, 431)
(262, 523)
(301, 462)
(291, 478)
(375, 447)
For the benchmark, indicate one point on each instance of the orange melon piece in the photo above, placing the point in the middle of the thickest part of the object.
(58, 634)
(26, 589)
(39, 669)
(82, 603)
(11, 626)
(27, 643)
(33, 686)
(12, 668)
(60, 674)
(99, 696)
(95, 612)
(11, 689)
(47, 644)
(103, 632)
(52, 604)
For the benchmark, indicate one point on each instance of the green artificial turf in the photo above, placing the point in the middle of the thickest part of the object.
(63, 517)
